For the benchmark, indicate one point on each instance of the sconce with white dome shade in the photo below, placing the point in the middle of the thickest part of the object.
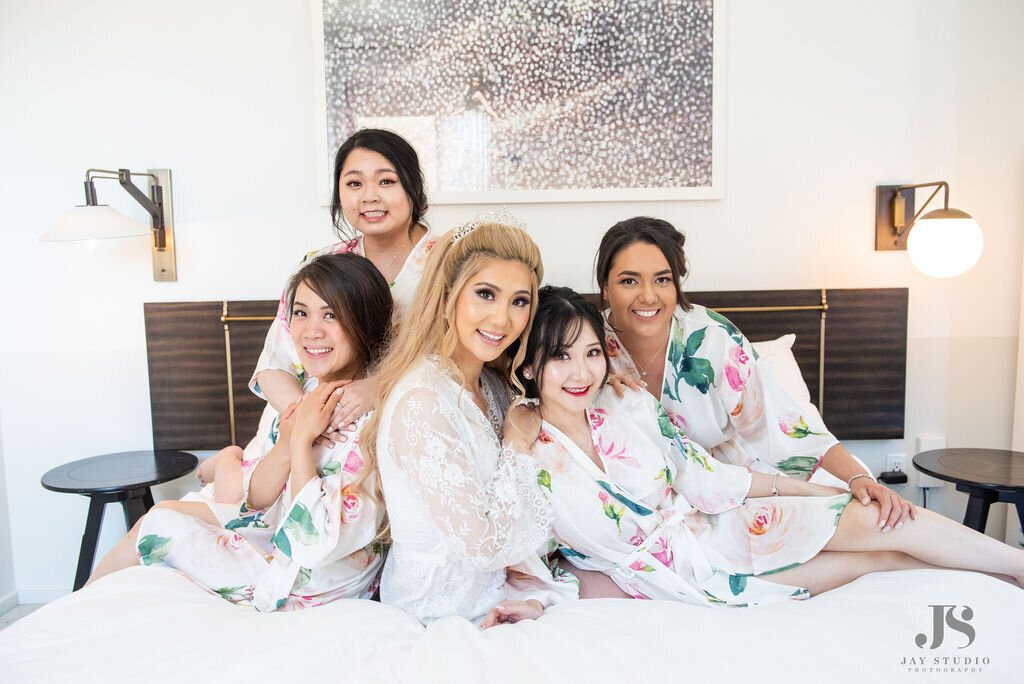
(93, 221)
(943, 243)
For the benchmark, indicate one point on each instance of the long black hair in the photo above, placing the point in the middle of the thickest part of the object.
(400, 154)
(562, 315)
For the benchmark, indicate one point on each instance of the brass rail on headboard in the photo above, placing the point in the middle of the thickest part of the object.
(227, 320)
(823, 308)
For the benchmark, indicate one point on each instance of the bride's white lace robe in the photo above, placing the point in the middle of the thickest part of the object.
(462, 507)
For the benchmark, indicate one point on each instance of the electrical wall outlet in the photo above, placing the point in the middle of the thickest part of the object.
(896, 463)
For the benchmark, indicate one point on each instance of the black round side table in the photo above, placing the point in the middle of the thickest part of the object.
(124, 477)
(985, 475)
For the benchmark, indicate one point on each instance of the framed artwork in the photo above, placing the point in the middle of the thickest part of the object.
(516, 101)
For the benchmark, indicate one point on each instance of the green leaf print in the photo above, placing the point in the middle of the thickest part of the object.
(797, 429)
(302, 579)
(839, 505)
(275, 429)
(737, 584)
(694, 341)
(281, 542)
(254, 521)
(726, 325)
(240, 593)
(154, 548)
(687, 449)
(798, 466)
(572, 553)
(298, 524)
(544, 479)
(332, 468)
(631, 505)
(697, 373)
(665, 424)
(665, 475)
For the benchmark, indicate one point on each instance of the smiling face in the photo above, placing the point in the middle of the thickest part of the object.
(324, 348)
(371, 194)
(491, 312)
(573, 375)
(640, 291)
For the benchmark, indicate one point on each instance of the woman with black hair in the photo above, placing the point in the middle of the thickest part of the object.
(637, 501)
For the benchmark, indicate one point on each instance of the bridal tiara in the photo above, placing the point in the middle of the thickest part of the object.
(502, 216)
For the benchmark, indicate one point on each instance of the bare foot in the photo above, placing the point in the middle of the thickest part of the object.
(205, 471)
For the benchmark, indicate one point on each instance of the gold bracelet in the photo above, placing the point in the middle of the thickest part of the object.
(775, 490)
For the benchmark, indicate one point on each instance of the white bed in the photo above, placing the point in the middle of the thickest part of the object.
(153, 624)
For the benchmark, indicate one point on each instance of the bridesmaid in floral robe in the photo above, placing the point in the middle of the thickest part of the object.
(704, 371)
(305, 533)
(635, 499)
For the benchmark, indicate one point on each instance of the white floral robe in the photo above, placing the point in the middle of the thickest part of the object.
(310, 547)
(715, 392)
(462, 508)
(664, 519)
(279, 350)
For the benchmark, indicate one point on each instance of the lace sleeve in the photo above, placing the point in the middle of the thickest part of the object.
(484, 499)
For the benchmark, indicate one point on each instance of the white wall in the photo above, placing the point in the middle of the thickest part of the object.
(823, 101)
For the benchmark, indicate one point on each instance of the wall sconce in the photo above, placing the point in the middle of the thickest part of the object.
(943, 243)
(98, 221)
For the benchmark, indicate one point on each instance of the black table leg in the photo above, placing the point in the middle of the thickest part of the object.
(135, 504)
(977, 506)
(87, 551)
(1019, 505)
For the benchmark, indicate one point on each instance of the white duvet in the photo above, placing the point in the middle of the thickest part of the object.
(153, 625)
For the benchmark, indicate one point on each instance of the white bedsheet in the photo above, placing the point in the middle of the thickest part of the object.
(151, 624)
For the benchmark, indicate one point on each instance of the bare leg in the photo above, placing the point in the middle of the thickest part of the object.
(124, 554)
(593, 584)
(831, 569)
(224, 470)
(931, 538)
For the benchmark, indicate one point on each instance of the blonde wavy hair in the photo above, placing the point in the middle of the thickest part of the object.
(429, 325)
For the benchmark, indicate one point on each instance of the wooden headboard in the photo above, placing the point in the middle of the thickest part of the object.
(193, 349)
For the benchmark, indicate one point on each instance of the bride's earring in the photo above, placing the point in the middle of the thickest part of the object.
(528, 375)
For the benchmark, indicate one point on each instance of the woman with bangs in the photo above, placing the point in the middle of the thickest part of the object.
(636, 502)
(304, 535)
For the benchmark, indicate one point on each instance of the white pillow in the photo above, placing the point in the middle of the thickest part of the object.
(776, 357)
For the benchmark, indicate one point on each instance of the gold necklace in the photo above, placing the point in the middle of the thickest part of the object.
(386, 267)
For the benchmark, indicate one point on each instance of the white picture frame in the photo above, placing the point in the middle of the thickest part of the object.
(440, 137)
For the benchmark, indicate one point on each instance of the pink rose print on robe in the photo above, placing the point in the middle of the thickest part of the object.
(660, 550)
(597, 417)
(621, 456)
(738, 356)
(231, 540)
(613, 347)
(678, 421)
(350, 501)
(734, 371)
(638, 538)
(640, 566)
(353, 462)
(732, 375)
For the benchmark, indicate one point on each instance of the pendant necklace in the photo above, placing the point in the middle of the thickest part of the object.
(390, 264)
(643, 371)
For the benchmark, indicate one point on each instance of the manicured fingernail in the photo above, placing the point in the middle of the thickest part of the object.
(886, 528)
(899, 525)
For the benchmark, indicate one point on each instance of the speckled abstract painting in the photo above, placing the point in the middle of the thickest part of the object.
(531, 101)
